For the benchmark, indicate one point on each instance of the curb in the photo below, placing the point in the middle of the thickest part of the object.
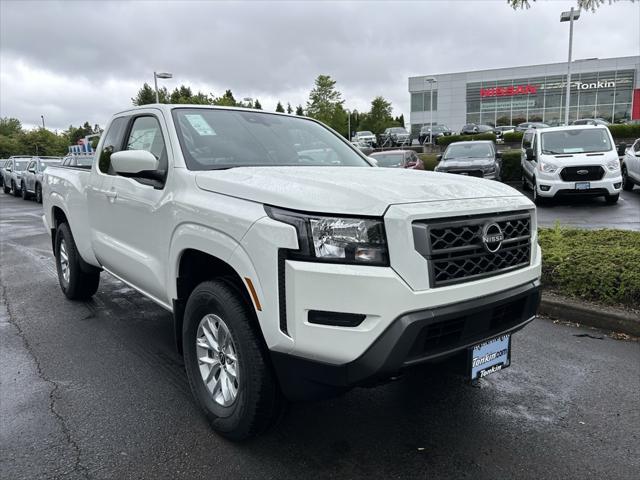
(589, 314)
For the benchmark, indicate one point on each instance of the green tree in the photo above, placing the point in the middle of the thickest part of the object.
(10, 126)
(289, 109)
(591, 5)
(324, 100)
(299, 111)
(379, 117)
(279, 108)
(227, 100)
(147, 95)
(184, 94)
(43, 142)
(257, 105)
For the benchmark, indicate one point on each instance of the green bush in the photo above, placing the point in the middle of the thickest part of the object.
(624, 131)
(513, 137)
(444, 141)
(511, 168)
(597, 265)
(429, 160)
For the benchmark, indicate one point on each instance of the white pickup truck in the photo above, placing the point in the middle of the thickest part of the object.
(293, 267)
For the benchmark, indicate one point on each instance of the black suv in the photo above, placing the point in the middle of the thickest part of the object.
(427, 136)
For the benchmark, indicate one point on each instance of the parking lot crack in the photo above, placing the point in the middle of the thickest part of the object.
(53, 393)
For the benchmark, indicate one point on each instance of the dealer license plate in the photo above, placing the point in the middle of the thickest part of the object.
(490, 356)
(583, 185)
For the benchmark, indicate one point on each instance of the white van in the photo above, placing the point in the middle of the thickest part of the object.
(571, 161)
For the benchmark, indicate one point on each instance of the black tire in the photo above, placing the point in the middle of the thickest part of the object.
(79, 284)
(627, 183)
(525, 185)
(258, 401)
(14, 189)
(24, 192)
(611, 199)
(7, 190)
(537, 199)
(38, 193)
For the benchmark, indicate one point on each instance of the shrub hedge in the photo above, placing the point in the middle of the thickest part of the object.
(429, 160)
(443, 141)
(513, 137)
(511, 169)
(625, 131)
(597, 265)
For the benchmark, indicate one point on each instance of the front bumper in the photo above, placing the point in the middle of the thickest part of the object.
(553, 186)
(417, 337)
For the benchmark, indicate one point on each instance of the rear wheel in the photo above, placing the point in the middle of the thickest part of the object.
(76, 283)
(23, 191)
(611, 199)
(627, 183)
(6, 189)
(226, 362)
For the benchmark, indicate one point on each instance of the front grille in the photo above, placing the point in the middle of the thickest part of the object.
(481, 324)
(471, 173)
(457, 253)
(588, 173)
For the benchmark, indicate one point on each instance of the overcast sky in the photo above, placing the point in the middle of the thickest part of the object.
(73, 61)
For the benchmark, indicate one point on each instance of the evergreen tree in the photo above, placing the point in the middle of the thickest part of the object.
(299, 111)
(324, 100)
(147, 95)
(226, 100)
(289, 109)
(257, 105)
(279, 108)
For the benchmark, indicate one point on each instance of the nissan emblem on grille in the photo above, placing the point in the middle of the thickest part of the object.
(582, 172)
(492, 237)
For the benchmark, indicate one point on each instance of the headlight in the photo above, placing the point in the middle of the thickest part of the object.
(548, 167)
(489, 169)
(613, 165)
(336, 239)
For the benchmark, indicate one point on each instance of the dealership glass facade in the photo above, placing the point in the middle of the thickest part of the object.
(604, 95)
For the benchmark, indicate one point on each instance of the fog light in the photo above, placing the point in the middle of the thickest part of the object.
(337, 319)
(545, 188)
(617, 185)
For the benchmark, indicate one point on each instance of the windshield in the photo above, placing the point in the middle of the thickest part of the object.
(21, 165)
(575, 141)
(468, 150)
(388, 159)
(44, 164)
(398, 130)
(214, 139)
(365, 134)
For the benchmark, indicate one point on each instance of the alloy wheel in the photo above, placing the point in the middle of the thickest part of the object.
(218, 360)
(64, 261)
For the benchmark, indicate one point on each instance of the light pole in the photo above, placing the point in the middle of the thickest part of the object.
(42, 117)
(349, 123)
(156, 76)
(569, 16)
(430, 81)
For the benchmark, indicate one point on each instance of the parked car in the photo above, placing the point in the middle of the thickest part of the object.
(3, 163)
(590, 121)
(31, 184)
(13, 171)
(364, 147)
(397, 159)
(502, 129)
(523, 127)
(570, 161)
(475, 159)
(473, 129)
(427, 136)
(394, 137)
(367, 137)
(289, 277)
(631, 166)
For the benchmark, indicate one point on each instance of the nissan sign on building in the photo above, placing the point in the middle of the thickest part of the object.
(600, 88)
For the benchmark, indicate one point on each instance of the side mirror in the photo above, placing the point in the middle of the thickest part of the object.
(133, 161)
(439, 157)
(530, 154)
(32, 170)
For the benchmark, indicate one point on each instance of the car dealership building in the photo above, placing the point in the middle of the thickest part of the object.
(606, 88)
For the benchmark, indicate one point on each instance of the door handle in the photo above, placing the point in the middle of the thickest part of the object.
(110, 194)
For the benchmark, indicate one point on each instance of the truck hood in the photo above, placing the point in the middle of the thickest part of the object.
(345, 190)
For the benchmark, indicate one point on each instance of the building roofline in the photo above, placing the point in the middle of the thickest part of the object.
(636, 57)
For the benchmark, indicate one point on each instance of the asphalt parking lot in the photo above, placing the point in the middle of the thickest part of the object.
(96, 390)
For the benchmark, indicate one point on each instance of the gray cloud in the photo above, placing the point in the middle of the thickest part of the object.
(76, 61)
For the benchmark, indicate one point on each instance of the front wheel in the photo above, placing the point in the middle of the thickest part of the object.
(627, 183)
(23, 191)
(76, 283)
(7, 190)
(611, 199)
(226, 362)
(537, 199)
(38, 193)
(16, 192)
